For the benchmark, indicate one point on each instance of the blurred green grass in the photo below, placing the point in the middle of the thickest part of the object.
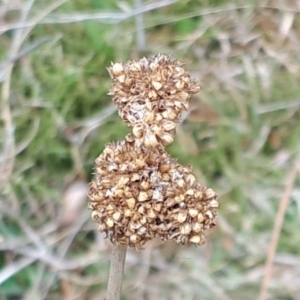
(241, 136)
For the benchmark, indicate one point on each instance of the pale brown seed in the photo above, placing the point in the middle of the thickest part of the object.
(136, 67)
(151, 214)
(149, 117)
(193, 212)
(181, 217)
(117, 69)
(179, 85)
(197, 227)
(200, 217)
(117, 216)
(142, 230)
(209, 214)
(180, 183)
(166, 177)
(150, 140)
(138, 130)
(101, 227)
(210, 193)
(157, 207)
(145, 185)
(140, 163)
(164, 168)
(185, 229)
(135, 177)
(195, 239)
(199, 195)
(143, 196)
(190, 192)
(96, 217)
(134, 225)
(157, 85)
(214, 203)
(190, 179)
(152, 94)
(141, 210)
(143, 220)
(168, 125)
(167, 138)
(131, 203)
(133, 238)
(109, 222)
(128, 213)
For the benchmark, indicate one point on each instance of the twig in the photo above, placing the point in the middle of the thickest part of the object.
(107, 17)
(284, 202)
(116, 272)
(139, 23)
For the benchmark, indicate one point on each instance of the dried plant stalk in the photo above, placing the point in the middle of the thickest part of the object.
(116, 272)
(139, 191)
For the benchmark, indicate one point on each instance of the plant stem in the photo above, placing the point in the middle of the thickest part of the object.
(116, 272)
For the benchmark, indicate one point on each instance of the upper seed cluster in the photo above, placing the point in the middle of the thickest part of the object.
(139, 192)
(151, 94)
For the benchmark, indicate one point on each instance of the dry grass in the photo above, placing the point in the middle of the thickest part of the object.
(241, 134)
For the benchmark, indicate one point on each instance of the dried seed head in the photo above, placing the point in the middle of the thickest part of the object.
(139, 192)
(155, 79)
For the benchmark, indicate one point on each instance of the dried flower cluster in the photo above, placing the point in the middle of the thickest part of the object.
(151, 95)
(139, 191)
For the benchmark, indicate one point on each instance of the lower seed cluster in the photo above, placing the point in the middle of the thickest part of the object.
(137, 196)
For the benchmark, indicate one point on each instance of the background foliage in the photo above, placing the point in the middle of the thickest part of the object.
(241, 135)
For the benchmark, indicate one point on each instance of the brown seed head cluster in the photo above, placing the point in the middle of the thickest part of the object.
(139, 192)
(151, 94)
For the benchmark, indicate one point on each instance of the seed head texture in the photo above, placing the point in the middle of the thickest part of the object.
(139, 192)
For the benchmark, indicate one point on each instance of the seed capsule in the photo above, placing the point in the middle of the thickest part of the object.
(197, 227)
(157, 85)
(131, 203)
(182, 217)
(200, 218)
(168, 125)
(167, 138)
(109, 222)
(150, 140)
(96, 217)
(210, 193)
(195, 239)
(117, 69)
(133, 238)
(185, 229)
(117, 216)
(193, 212)
(143, 196)
(214, 203)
